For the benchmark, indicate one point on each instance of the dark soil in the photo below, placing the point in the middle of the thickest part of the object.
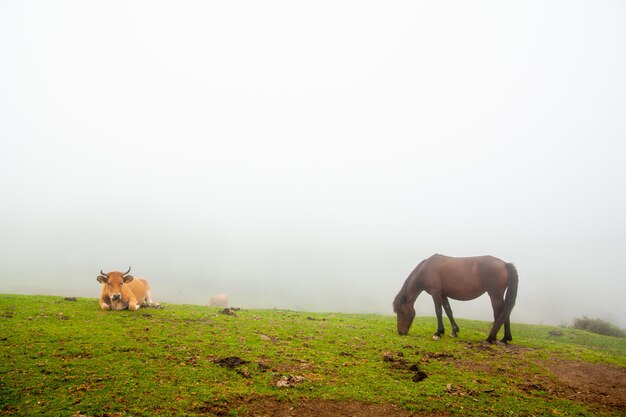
(397, 361)
(599, 385)
(230, 362)
(602, 385)
(271, 407)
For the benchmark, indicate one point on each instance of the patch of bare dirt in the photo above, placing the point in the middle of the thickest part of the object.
(397, 361)
(230, 362)
(603, 385)
(271, 407)
(599, 385)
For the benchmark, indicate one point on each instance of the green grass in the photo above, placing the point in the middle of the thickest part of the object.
(62, 358)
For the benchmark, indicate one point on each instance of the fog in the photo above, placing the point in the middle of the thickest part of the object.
(308, 156)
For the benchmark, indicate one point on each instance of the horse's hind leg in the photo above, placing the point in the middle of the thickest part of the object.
(497, 303)
(507, 332)
(446, 307)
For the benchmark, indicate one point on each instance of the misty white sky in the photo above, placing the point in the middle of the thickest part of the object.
(310, 155)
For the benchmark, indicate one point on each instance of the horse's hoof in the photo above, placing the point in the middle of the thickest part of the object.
(454, 335)
(435, 337)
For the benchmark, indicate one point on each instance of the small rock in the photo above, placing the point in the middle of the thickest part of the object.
(229, 312)
(289, 381)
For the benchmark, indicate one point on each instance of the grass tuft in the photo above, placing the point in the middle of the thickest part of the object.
(598, 326)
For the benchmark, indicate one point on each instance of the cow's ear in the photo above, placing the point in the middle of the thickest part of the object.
(128, 278)
(102, 279)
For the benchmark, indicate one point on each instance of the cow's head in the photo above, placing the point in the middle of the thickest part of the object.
(114, 282)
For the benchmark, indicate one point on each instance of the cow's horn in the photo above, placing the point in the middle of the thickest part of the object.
(102, 273)
(126, 273)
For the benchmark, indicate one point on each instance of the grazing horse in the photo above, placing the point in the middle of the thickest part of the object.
(463, 279)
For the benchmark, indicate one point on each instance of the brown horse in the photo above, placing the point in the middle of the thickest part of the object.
(463, 279)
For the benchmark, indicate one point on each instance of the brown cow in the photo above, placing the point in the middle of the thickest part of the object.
(122, 291)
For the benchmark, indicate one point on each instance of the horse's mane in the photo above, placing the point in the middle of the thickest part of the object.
(400, 299)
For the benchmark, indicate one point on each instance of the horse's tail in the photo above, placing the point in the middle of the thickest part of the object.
(511, 295)
(509, 303)
(511, 291)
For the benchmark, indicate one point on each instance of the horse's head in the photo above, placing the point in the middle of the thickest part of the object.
(405, 314)
(404, 320)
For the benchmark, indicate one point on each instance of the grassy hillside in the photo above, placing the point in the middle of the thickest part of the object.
(68, 358)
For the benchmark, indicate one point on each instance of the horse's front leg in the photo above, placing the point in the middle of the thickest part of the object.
(446, 307)
(438, 304)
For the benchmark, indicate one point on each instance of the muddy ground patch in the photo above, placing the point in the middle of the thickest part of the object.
(603, 385)
(600, 385)
(271, 407)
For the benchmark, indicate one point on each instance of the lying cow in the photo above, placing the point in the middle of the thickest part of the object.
(122, 291)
